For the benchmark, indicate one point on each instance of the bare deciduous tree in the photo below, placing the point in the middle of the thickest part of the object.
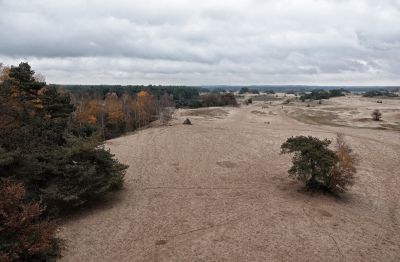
(376, 115)
(39, 77)
(164, 109)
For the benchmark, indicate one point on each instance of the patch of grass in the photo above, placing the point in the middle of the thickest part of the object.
(365, 119)
(256, 112)
(384, 98)
(339, 109)
(390, 126)
(268, 98)
(354, 112)
(314, 117)
(208, 113)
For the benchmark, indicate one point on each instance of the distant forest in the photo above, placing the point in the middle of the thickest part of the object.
(284, 88)
(182, 93)
(178, 92)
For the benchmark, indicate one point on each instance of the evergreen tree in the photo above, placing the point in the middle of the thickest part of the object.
(23, 78)
(312, 160)
(82, 169)
(40, 149)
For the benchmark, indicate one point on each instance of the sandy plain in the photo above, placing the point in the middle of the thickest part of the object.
(218, 190)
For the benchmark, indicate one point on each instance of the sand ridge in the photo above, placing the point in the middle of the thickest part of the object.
(218, 190)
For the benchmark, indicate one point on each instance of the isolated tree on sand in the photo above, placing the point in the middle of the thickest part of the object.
(318, 166)
(376, 114)
(312, 159)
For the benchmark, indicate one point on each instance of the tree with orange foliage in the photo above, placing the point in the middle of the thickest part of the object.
(98, 114)
(229, 99)
(143, 108)
(90, 109)
(115, 114)
(342, 174)
(82, 113)
(4, 70)
(126, 103)
(23, 236)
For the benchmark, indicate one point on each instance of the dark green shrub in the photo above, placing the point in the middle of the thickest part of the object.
(244, 90)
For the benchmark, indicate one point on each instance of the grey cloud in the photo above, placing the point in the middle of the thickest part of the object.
(209, 42)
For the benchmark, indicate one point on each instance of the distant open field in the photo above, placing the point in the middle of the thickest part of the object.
(218, 190)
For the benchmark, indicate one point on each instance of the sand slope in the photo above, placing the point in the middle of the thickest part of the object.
(219, 191)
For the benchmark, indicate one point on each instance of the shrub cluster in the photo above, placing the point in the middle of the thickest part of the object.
(247, 90)
(318, 94)
(380, 93)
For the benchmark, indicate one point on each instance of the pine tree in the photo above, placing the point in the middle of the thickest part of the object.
(312, 160)
(82, 170)
(23, 78)
(54, 160)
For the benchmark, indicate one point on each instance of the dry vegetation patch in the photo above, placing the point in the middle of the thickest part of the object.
(340, 109)
(257, 112)
(315, 117)
(268, 98)
(207, 113)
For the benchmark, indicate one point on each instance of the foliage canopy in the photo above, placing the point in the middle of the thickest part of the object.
(318, 166)
(312, 159)
(23, 235)
(41, 149)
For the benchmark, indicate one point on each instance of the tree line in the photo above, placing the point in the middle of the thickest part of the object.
(177, 92)
(382, 92)
(318, 94)
(114, 115)
(48, 162)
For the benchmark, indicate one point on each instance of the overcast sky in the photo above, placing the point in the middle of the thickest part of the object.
(320, 42)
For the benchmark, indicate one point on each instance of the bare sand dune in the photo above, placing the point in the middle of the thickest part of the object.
(218, 190)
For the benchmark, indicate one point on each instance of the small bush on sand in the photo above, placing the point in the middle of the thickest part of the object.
(376, 115)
